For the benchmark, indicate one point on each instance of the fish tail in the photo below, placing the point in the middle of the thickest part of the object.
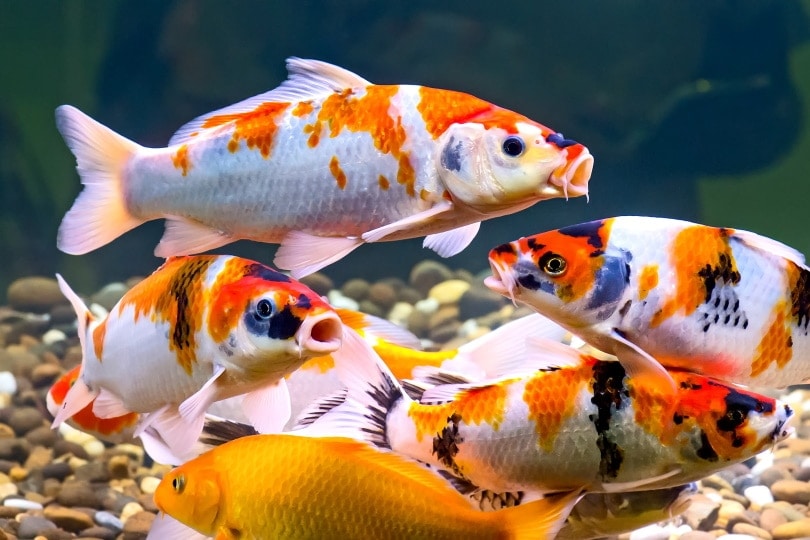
(99, 214)
(538, 519)
(79, 396)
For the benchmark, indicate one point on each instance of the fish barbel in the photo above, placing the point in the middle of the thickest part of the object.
(293, 486)
(726, 303)
(200, 329)
(321, 164)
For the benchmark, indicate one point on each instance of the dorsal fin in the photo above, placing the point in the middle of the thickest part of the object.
(306, 79)
(774, 247)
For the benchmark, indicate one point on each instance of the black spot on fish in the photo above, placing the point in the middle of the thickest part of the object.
(559, 140)
(181, 283)
(625, 308)
(706, 451)
(724, 273)
(490, 500)
(738, 407)
(589, 230)
(610, 283)
(445, 444)
(533, 244)
(608, 392)
(688, 385)
(677, 418)
(266, 273)
(800, 299)
(504, 249)
(303, 302)
(529, 281)
(451, 155)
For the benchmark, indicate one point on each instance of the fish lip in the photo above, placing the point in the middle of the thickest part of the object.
(783, 430)
(573, 176)
(320, 334)
(501, 281)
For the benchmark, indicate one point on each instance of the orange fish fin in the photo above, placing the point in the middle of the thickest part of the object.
(186, 237)
(225, 533)
(379, 328)
(538, 519)
(414, 221)
(108, 405)
(449, 243)
(78, 397)
(769, 245)
(640, 365)
(268, 408)
(303, 253)
(99, 214)
(165, 527)
(307, 79)
(621, 487)
(195, 405)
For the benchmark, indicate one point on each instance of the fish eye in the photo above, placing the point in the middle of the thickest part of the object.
(513, 146)
(179, 483)
(553, 264)
(264, 309)
(734, 417)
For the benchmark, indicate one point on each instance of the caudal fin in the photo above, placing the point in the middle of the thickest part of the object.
(99, 214)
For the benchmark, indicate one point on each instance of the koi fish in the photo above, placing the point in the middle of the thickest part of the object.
(199, 330)
(579, 423)
(726, 303)
(113, 430)
(321, 164)
(285, 485)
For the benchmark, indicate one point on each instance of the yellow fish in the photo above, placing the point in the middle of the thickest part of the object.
(291, 486)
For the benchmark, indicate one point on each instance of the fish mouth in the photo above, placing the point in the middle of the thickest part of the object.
(782, 431)
(574, 175)
(320, 334)
(502, 280)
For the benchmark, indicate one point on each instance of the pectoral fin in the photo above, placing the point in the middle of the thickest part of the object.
(639, 364)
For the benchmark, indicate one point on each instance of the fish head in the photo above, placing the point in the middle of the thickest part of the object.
(59, 389)
(191, 495)
(569, 275)
(505, 160)
(734, 423)
(266, 321)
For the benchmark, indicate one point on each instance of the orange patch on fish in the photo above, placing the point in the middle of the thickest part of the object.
(777, 343)
(697, 254)
(180, 159)
(227, 302)
(553, 399)
(174, 293)
(442, 108)
(384, 184)
(99, 332)
(474, 406)
(337, 172)
(369, 113)
(647, 280)
(402, 360)
(321, 364)
(257, 127)
(654, 407)
(303, 108)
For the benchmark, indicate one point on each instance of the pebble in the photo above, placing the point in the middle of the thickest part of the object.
(22, 504)
(44, 374)
(53, 336)
(770, 518)
(109, 295)
(34, 294)
(383, 295)
(356, 289)
(32, 526)
(338, 300)
(149, 484)
(68, 518)
(425, 274)
(137, 526)
(792, 491)
(758, 495)
(109, 520)
(793, 529)
(8, 383)
(479, 301)
(448, 292)
(77, 493)
(318, 282)
(751, 530)
(129, 510)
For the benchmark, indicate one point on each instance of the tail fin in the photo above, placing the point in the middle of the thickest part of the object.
(79, 396)
(99, 214)
(538, 519)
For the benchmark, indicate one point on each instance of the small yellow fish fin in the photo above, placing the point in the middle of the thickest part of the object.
(452, 242)
(538, 519)
(303, 253)
(268, 408)
(621, 487)
(165, 527)
(318, 408)
(306, 80)
(640, 366)
(185, 237)
(78, 397)
(83, 315)
(414, 221)
(769, 245)
(377, 327)
(108, 405)
(507, 350)
(99, 214)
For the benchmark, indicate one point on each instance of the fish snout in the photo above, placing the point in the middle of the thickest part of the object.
(320, 334)
(782, 430)
(502, 280)
(574, 175)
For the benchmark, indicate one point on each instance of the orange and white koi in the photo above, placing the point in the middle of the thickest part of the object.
(200, 329)
(321, 164)
(577, 423)
(292, 486)
(113, 430)
(723, 302)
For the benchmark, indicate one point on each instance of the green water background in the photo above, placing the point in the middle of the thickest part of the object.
(693, 109)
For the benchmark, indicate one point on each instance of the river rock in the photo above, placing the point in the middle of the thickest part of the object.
(34, 294)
